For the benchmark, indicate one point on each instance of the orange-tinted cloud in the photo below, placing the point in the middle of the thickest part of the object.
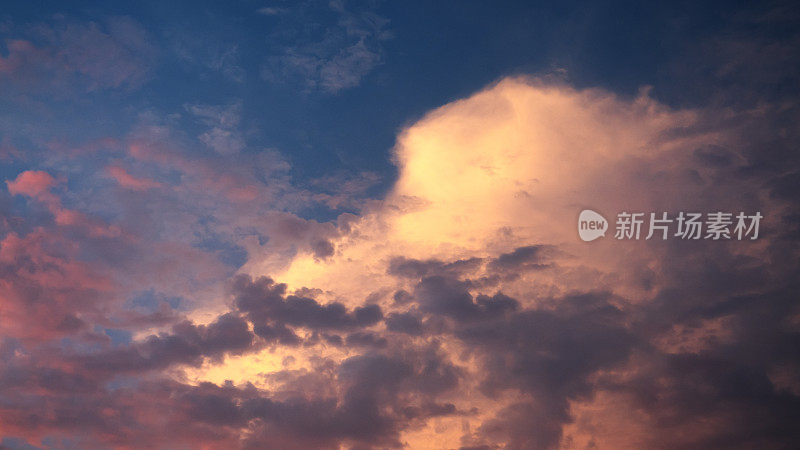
(459, 310)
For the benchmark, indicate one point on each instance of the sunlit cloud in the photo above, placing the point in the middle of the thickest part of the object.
(306, 228)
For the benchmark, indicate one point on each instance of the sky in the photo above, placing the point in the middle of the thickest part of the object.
(352, 225)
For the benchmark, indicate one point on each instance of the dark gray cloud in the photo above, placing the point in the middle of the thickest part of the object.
(407, 322)
(269, 308)
(528, 257)
(186, 344)
(550, 355)
(414, 268)
(451, 297)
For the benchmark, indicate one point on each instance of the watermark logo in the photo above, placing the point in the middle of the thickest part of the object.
(591, 225)
(685, 225)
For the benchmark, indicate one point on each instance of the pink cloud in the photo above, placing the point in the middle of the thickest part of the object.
(45, 289)
(33, 183)
(37, 184)
(235, 183)
(128, 181)
(115, 54)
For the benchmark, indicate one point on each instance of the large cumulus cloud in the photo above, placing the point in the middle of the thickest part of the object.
(459, 310)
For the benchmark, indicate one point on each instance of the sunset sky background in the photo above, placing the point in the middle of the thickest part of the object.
(353, 225)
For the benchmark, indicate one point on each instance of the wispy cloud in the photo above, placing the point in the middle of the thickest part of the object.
(201, 52)
(65, 53)
(128, 181)
(223, 122)
(271, 10)
(329, 56)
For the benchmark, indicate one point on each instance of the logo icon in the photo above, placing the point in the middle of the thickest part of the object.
(591, 225)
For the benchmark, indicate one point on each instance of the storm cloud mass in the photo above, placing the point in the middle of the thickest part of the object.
(199, 247)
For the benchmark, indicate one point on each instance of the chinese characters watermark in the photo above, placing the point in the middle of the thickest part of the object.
(684, 225)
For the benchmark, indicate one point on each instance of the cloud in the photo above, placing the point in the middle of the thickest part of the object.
(480, 229)
(223, 121)
(32, 183)
(268, 306)
(270, 11)
(128, 181)
(186, 344)
(38, 185)
(460, 309)
(47, 292)
(334, 60)
(87, 56)
(451, 298)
